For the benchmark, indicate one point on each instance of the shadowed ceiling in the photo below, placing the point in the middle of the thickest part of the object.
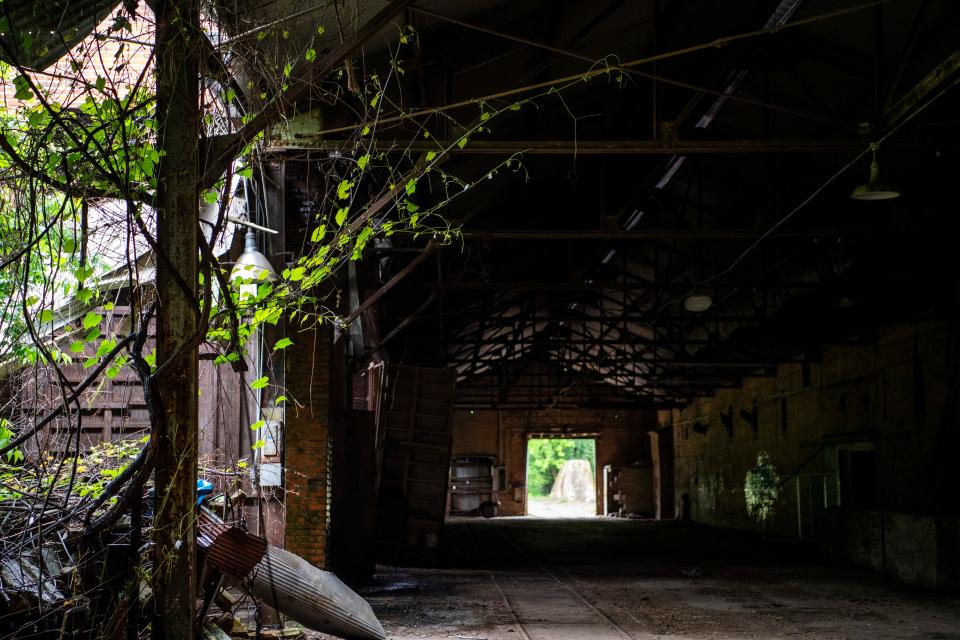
(721, 171)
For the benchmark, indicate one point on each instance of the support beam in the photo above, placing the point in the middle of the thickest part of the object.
(403, 324)
(668, 364)
(659, 234)
(922, 90)
(623, 405)
(616, 320)
(638, 343)
(591, 147)
(400, 275)
(225, 148)
(590, 286)
(175, 435)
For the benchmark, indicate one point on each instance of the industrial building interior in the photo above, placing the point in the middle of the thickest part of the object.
(698, 270)
(674, 352)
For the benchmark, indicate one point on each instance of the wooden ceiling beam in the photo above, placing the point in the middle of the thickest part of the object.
(586, 147)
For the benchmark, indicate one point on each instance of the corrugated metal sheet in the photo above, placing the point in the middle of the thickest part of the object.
(229, 549)
(209, 526)
(23, 576)
(315, 598)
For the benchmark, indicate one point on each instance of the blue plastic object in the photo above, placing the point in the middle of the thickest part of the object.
(204, 488)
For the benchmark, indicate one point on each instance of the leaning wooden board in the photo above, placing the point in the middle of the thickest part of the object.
(414, 417)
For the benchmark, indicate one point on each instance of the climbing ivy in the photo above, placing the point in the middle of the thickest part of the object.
(760, 488)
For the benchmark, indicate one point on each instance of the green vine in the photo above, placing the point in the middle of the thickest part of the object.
(760, 488)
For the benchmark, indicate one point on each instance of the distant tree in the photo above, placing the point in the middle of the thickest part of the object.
(108, 146)
(546, 456)
(138, 142)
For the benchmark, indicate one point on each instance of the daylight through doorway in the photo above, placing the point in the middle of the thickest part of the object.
(561, 477)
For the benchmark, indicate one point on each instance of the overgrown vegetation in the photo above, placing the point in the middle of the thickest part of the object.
(545, 457)
(81, 222)
(760, 488)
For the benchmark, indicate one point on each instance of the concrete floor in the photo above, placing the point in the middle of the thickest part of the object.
(549, 508)
(602, 579)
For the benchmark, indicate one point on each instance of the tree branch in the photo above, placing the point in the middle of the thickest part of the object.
(223, 149)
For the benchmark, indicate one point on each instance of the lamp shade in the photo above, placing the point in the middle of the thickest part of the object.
(697, 302)
(252, 265)
(875, 188)
(875, 191)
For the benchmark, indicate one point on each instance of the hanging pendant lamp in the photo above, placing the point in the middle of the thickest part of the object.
(697, 302)
(252, 266)
(874, 189)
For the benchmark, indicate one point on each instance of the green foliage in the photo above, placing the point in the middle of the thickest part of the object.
(760, 488)
(86, 475)
(61, 161)
(103, 463)
(78, 182)
(546, 456)
(6, 435)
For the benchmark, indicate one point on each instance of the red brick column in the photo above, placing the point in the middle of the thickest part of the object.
(307, 444)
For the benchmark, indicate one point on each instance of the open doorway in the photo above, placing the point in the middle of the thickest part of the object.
(561, 477)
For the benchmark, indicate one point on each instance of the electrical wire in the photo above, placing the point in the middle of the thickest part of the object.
(606, 69)
(798, 208)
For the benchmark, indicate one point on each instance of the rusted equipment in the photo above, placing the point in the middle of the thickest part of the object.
(315, 598)
(473, 486)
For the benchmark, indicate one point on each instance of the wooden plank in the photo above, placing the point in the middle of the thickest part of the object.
(415, 417)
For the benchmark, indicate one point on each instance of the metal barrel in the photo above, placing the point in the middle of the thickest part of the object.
(315, 598)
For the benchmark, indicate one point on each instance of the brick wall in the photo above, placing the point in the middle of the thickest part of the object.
(119, 63)
(307, 444)
(881, 399)
(623, 440)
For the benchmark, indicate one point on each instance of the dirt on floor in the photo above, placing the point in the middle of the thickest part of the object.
(604, 578)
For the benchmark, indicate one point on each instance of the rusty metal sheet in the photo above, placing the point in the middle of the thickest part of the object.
(232, 550)
(315, 598)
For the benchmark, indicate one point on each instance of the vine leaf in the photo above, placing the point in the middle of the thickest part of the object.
(282, 343)
(91, 320)
(24, 92)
